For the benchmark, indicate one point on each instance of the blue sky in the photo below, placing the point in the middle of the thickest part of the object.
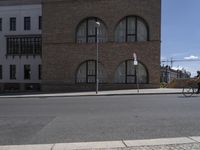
(180, 36)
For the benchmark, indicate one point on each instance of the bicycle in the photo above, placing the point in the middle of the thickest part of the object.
(189, 91)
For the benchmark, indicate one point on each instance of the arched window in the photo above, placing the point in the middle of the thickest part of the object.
(131, 29)
(87, 72)
(128, 73)
(87, 31)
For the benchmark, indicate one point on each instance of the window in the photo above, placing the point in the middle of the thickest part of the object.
(40, 23)
(131, 29)
(27, 23)
(12, 24)
(12, 72)
(27, 72)
(128, 73)
(39, 72)
(24, 45)
(1, 72)
(87, 72)
(87, 31)
(0, 24)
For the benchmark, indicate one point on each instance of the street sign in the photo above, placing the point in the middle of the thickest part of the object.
(135, 62)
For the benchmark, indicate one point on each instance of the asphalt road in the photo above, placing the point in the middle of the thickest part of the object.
(80, 119)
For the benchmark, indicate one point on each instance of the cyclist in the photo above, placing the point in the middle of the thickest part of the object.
(198, 81)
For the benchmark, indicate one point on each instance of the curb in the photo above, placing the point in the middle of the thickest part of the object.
(106, 144)
(86, 95)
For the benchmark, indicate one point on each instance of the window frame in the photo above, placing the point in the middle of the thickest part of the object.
(87, 35)
(27, 73)
(13, 71)
(130, 75)
(39, 71)
(13, 23)
(84, 76)
(40, 22)
(135, 75)
(27, 23)
(87, 72)
(26, 45)
(127, 34)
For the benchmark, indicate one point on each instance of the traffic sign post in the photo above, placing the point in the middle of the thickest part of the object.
(135, 63)
(97, 63)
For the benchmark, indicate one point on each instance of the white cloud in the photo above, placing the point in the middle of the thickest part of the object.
(191, 57)
(177, 68)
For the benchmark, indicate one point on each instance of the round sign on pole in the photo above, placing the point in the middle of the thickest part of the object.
(135, 62)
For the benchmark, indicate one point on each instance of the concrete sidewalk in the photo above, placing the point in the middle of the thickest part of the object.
(101, 93)
(181, 143)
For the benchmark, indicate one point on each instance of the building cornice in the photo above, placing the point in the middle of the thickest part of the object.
(19, 2)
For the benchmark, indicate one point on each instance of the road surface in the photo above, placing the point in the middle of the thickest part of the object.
(103, 118)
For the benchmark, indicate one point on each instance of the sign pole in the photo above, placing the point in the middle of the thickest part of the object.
(97, 65)
(137, 79)
(135, 63)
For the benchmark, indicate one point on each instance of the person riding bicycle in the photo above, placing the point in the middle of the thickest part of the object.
(198, 81)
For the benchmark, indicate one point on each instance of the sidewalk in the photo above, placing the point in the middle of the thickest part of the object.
(101, 93)
(181, 143)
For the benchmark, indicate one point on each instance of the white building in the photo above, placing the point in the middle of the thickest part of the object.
(20, 46)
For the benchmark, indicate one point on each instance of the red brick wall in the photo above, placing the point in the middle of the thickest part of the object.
(62, 56)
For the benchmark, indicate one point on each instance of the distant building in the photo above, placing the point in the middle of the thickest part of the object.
(167, 74)
(20, 45)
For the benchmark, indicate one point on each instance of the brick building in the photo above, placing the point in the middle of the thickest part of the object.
(69, 41)
(70, 36)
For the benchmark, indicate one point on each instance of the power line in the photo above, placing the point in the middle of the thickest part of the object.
(178, 60)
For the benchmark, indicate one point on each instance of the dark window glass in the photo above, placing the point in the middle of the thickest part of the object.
(27, 72)
(87, 31)
(37, 45)
(24, 45)
(87, 72)
(12, 72)
(40, 23)
(129, 74)
(27, 23)
(13, 24)
(0, 24)
(13, 45)
(131, 29)
(39, 72)
(1, 72)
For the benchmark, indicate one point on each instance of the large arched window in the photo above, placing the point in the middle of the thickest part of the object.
(87, 31)
(128, 73)
(87, 72)
(131, 29)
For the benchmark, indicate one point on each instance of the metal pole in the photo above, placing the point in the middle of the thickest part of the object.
(135, 63)
(97, 75)
(137, 74)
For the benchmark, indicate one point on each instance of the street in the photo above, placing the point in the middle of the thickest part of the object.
(97, 118)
